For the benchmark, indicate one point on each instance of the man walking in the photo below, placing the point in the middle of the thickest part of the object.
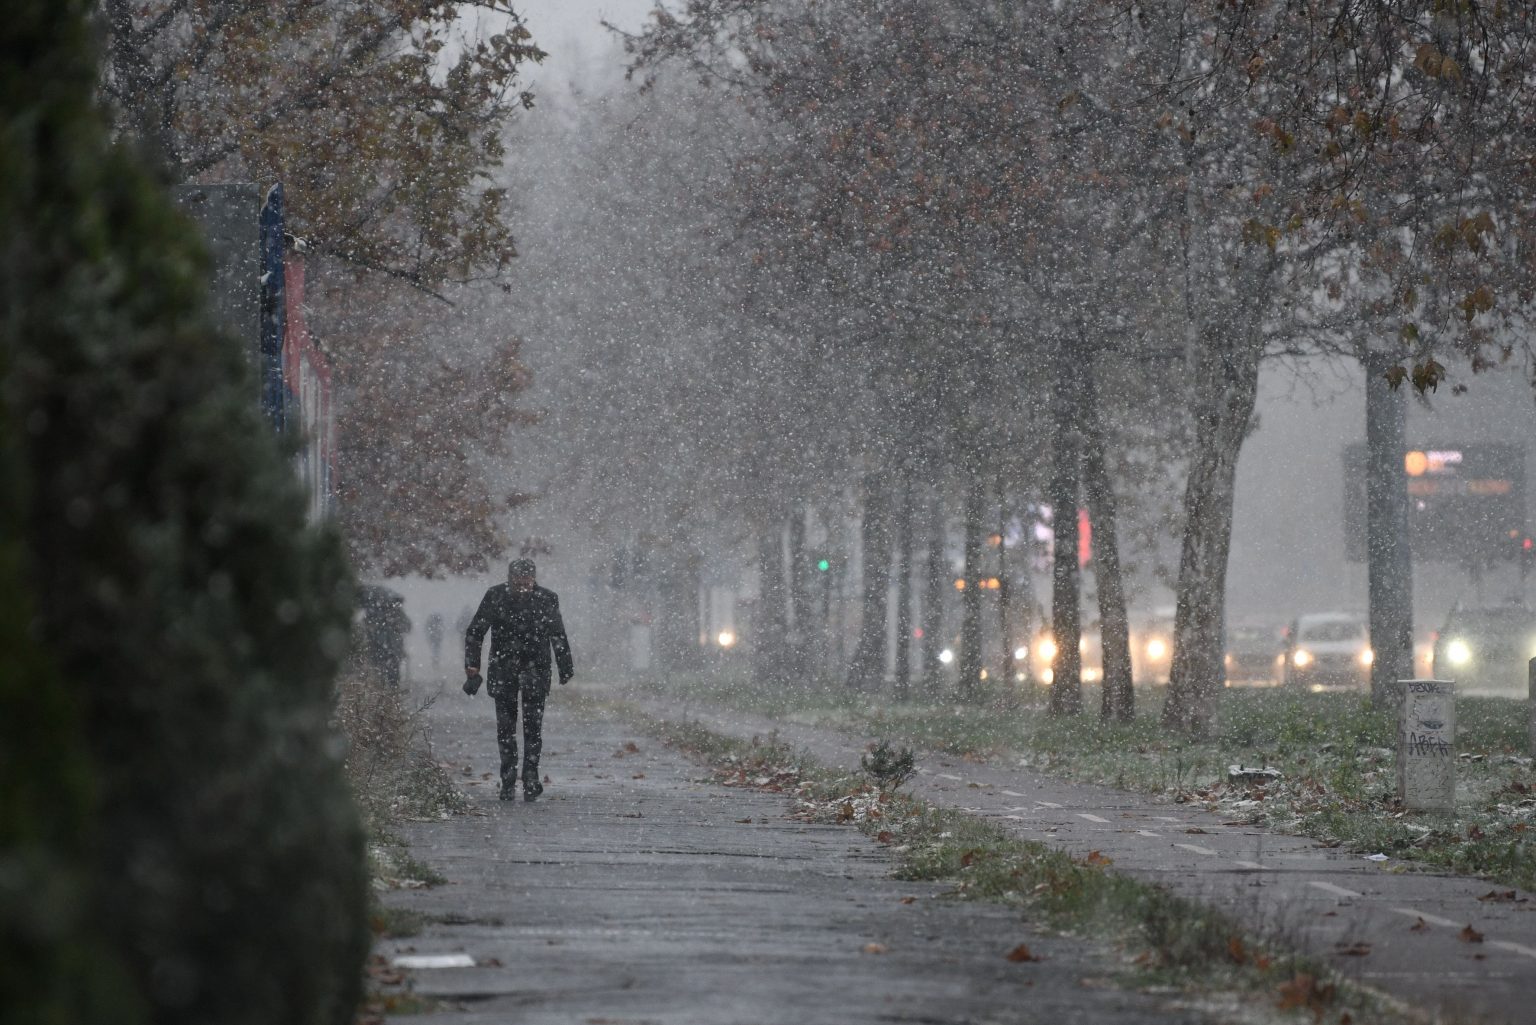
(524, 621)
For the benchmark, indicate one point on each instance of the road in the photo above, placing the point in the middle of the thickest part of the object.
(635, 892)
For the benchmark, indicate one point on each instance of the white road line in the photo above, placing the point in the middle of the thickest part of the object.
(1048, 804)
(1165, 818)
(1247, 864)
(1197, 849)
(1092, 818)
(1431, 919)
(1146, 832)
(1516, 948)
(1337, 891)
(945, 775)
(1010, 793)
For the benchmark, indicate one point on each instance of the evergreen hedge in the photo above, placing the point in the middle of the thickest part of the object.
(176, 841)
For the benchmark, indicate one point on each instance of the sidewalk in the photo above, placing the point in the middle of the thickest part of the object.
(1405, 933)
(633, 893)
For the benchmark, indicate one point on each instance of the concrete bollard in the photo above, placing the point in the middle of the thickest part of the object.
(1426, 755)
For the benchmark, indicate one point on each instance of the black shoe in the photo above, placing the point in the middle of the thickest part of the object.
(532, 792)
(509, 791)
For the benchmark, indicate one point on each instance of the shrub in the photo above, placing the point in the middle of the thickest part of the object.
(190, 621)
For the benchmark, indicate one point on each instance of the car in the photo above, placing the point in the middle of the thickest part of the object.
(1255, 656)
(1152, 647)
(1328, 651)
(1486, 650)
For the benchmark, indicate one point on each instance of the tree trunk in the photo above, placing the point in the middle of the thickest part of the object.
(770, 624)
(970, 659)
(800, 621)
(1389, 561)
(935, 578)
(1005, 589)
(1066, 472)
(866, 667)
(904, 588)
(1119, 702)
(1226, 383)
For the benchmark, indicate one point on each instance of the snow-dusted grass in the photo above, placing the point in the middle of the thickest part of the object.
(1334, 753)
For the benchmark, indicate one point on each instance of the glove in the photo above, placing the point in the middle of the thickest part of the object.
(471, 683)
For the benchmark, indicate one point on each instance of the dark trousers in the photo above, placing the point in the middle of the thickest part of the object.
(533, 692)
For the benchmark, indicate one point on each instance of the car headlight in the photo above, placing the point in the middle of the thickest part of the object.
(1046, 649)
(1458, 653)
(1301, 658)
(1367, 656)
(1157, 648)
(946, 656)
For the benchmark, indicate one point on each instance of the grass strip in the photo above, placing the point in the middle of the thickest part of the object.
(1335, 755)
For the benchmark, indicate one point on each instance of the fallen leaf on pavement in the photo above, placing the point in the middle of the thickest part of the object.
(884, 836)
(1022, 953)
(745, 820)
(1356, 949)
(1470, 935)
(907, 900)
(1499, 895)
(1419, 925)
(1196, 830)
(1096, 858)
(638, 775)
(875, 948)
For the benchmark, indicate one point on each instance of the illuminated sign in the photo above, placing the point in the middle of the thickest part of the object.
(1465, 502)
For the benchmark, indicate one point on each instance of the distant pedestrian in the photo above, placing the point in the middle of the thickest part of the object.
(385, 625)
(525, 626)
(435, 637)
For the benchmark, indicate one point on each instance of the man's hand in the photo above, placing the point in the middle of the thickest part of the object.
(471, 680)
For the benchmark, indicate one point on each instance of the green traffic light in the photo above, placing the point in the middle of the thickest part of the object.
(824, 565)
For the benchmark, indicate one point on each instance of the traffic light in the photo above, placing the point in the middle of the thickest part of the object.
(823, 564)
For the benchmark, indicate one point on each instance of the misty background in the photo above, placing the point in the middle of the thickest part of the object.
(1288, 551)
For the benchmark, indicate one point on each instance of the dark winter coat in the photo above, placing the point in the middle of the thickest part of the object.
(524, 628)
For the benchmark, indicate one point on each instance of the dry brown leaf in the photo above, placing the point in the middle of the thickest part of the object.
(1470, 935)
(884, 836)
(1096, 858)
(1304, 991)
(875, 948)
(1419, 925)
(1356, 949)
(1499, 896)
(907, 900)
(1235, 949)
(1022, 953)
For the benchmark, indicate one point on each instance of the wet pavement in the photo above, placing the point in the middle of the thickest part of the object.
(636, 892)
(1433, 941)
